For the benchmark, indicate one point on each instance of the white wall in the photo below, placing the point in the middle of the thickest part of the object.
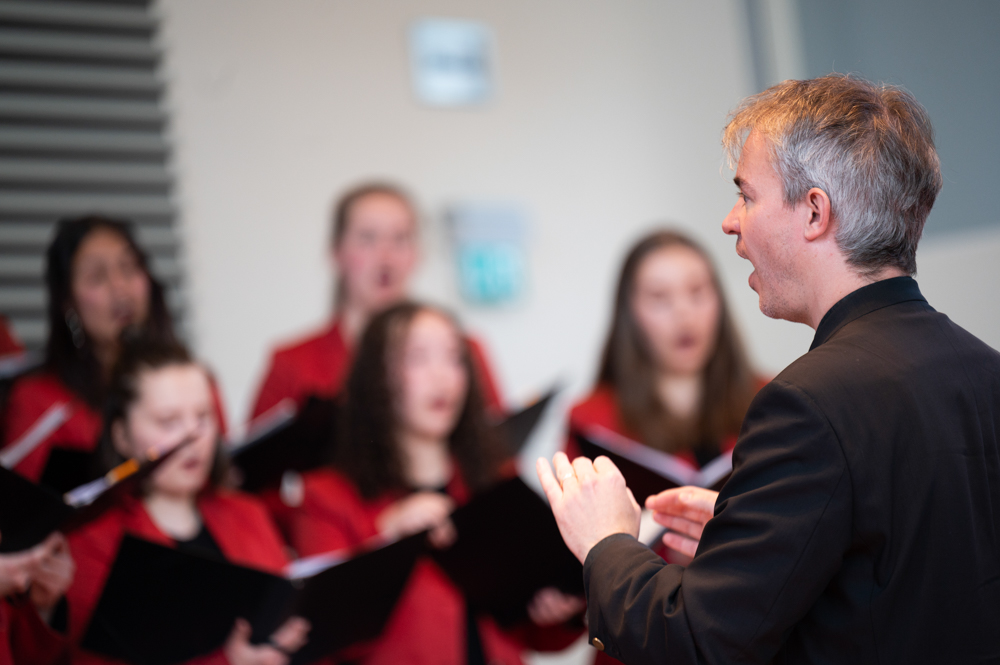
(607, 119)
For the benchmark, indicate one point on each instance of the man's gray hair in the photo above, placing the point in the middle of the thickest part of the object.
(869, 147)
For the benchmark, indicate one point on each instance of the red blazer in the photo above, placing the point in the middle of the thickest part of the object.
(25, 639)
(318, 365)
(237, 522)
(31, 398)
(429, 623)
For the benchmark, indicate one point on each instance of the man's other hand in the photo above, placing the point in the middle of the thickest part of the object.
(589, 499)
(685, 511)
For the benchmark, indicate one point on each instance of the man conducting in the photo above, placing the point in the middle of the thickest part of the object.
(862, 520)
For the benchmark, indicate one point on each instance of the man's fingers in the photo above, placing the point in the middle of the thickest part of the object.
(563, 469)
(693, 503)
(680, 525)
(549, 483)
(584, 469)
(680, 543)
(604, 465)
(635, 504)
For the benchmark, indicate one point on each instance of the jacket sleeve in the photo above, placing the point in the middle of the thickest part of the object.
(277, 385)
(782, 524)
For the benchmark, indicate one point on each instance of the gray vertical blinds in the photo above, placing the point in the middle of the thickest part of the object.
(82, 130)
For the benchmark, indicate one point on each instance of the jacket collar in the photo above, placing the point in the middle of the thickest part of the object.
(865, 300)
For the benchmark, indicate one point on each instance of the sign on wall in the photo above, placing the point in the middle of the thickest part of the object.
(451, 62)
(490, 244)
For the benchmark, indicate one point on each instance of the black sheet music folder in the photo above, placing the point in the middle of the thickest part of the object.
(508, 548)
(161, 606)
(648, 471)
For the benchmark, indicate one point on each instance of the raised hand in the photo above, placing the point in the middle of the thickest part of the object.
(589, 500)
(685, 511)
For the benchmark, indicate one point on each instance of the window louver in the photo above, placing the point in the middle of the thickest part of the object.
(82, 130)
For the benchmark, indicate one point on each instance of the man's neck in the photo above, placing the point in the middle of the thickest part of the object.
(831, 290)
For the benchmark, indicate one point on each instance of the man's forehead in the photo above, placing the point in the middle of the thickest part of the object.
(754, 155)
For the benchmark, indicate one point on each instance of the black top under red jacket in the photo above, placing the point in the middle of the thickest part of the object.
(862, 521)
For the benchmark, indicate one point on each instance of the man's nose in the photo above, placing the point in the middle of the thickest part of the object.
(731, 224)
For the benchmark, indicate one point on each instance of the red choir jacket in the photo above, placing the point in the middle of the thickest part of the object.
(318, 365)
(31, 399)
(36, 395)
(25, 639)
(429, 622)
(237, 522)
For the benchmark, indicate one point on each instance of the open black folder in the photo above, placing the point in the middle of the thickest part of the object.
(31, 512)
(517, 427)
(508, 548)
(162, 606)
(287, 438)
(648, 471)
(282, 439)
(66, 469)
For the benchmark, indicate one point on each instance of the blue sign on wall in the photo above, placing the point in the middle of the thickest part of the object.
(451, 62)
(490, 249)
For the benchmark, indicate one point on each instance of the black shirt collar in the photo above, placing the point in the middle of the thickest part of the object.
(865, 300)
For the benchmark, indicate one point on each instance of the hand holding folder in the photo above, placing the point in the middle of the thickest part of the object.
(162, 606)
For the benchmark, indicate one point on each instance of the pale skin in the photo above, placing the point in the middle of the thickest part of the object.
(45, 572)
(677, 307)
(431, 387)
(175, 406)
(374, 259)
(110, 291)
(799, 274)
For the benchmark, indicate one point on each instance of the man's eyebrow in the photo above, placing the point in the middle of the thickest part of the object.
(740, 183)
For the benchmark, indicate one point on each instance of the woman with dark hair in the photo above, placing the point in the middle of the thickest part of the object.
(374, 251)
(159, 398)
(674, 374)
(99, 288)
(415, 444)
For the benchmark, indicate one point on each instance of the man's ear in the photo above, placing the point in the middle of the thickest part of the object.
(820, 220)
(118, 439)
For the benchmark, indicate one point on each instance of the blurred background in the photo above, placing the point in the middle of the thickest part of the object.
(226, 128)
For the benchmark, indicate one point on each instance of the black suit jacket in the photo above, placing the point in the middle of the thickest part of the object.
(861, 523)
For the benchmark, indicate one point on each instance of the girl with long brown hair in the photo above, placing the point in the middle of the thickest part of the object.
(674, 374)
(416, 444)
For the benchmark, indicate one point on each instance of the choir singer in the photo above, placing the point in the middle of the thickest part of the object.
(862, 520)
